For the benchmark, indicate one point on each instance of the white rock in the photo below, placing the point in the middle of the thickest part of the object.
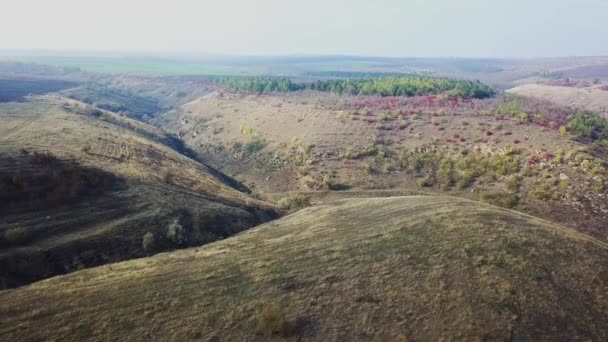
(562, 176)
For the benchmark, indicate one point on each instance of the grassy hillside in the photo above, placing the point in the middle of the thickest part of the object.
(140, 97)
(591, 98)
(400, 268)
(516, 152)
(82, 186)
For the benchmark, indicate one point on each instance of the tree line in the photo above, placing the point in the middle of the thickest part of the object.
(259, 84)
(384, 86)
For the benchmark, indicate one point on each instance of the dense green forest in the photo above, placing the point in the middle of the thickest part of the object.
(259, 84)
(385, 86)
(406, 86)
(357, 74)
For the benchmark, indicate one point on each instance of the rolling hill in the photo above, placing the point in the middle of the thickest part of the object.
(397, 268)
(81, 186)
(507, 150)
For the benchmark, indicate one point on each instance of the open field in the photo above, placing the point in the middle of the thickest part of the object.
(400, 268)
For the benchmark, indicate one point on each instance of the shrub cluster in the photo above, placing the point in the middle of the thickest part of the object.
(501, 199)
(295, 201)
(437, 166)
(588, 126)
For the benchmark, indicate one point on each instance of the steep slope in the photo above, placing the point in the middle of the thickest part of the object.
(400, 268)
(85, 187)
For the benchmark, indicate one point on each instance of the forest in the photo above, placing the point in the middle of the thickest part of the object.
(384, 86)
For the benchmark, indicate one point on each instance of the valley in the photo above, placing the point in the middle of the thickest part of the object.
(144, 186)
(392, 200)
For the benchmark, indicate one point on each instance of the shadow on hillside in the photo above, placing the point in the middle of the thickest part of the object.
(16, 89)
(180, 146)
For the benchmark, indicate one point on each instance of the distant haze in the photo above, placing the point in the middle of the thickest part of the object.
(417, 28)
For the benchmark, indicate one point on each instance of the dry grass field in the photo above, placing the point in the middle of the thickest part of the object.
(398, 268)
(590, 98)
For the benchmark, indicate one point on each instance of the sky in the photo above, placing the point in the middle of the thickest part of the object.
(406, 28)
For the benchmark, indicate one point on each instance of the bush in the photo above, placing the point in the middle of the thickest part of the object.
(298, 152)
(501, 199)
(176, 232)
(168, 177)
(588, 126)
(513, 183)
(373, 148)
(246, 130)
(368, 168)
(272, 321)
(254, 145)
(466, 179)
(295, 201)
(543, 192)
(386, 116)
(16, 236)
(445, 174)
(504, 165)
(327, 182)
(424, 182)
(148, 242)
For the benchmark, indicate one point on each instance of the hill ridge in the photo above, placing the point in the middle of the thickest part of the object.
(394, 268)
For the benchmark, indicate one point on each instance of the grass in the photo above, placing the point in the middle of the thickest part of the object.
(398, 268)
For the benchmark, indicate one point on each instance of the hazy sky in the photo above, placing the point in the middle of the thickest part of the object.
(447, 28)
